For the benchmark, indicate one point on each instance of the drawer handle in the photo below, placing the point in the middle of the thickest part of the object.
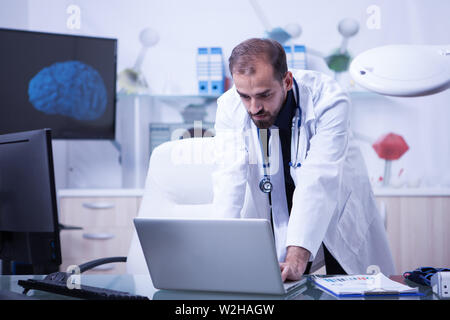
(98, 236)
(98, 205)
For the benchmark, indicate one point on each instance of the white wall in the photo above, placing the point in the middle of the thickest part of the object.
(185, 25)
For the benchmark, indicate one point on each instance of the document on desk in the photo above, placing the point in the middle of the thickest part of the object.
(362, 285)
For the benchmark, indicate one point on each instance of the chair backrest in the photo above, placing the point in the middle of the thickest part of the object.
(181, 171)
(178, 184)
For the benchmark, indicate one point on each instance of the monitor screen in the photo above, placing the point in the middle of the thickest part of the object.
(29, 227)
(63, 82)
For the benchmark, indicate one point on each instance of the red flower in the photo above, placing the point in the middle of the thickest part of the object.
(390, 146)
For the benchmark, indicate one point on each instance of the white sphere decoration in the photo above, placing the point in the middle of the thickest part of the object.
(148, 37)
(294, 30)
(348, 27)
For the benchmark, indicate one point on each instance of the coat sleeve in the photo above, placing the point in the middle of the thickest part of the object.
(231, 158)
(319, 178)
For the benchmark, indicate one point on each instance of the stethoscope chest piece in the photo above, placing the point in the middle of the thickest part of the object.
(265, 185)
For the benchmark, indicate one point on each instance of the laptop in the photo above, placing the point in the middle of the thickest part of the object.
(220, 255)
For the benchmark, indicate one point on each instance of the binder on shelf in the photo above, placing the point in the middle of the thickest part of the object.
(289, 57)
(216, 71)
(203, 70)
(299, 56)
(210, 71)
(295, 56)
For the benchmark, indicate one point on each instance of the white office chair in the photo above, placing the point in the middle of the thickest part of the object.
(179, 184)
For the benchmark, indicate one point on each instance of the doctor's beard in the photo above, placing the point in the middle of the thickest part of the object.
(268, 117)
(265, 123)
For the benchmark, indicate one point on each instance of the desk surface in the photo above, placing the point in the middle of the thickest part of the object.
(142, 285)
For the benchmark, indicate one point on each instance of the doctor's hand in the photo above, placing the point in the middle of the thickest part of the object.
(295, 264)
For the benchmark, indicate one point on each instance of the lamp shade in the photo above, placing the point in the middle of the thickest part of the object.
(403, 70)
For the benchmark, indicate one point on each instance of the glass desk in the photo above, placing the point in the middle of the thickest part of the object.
(142, 285)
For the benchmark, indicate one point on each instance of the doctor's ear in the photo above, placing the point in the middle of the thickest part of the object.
(288, 81)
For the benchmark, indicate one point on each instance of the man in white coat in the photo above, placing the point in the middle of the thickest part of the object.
(285, 152)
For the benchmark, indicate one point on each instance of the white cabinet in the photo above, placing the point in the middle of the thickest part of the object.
(417, 225)
(107, 224)
(418, 229)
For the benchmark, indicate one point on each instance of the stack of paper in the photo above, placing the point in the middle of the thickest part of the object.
(362, 285)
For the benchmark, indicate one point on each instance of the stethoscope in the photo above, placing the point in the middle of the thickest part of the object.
(265, 185)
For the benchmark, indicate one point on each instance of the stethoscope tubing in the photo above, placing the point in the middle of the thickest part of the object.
(265, 185)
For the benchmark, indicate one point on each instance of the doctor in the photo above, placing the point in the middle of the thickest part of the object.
(284, 152)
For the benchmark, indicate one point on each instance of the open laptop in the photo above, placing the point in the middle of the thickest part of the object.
(222, 255)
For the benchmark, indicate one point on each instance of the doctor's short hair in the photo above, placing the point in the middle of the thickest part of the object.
(244, 56)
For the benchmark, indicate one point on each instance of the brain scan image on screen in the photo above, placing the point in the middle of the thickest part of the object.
(70, 88)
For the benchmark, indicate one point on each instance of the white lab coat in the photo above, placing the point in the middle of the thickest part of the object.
(333, 201)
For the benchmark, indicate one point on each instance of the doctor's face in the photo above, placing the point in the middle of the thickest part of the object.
(262, 94)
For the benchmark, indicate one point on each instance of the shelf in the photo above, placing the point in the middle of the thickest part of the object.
(100, 193)
(168, 96)
(411, 192)
(379, 192)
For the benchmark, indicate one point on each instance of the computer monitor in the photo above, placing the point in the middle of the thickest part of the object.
(63, 82)
(29, 227)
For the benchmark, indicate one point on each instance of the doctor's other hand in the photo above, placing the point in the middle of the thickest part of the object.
(295, 264)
